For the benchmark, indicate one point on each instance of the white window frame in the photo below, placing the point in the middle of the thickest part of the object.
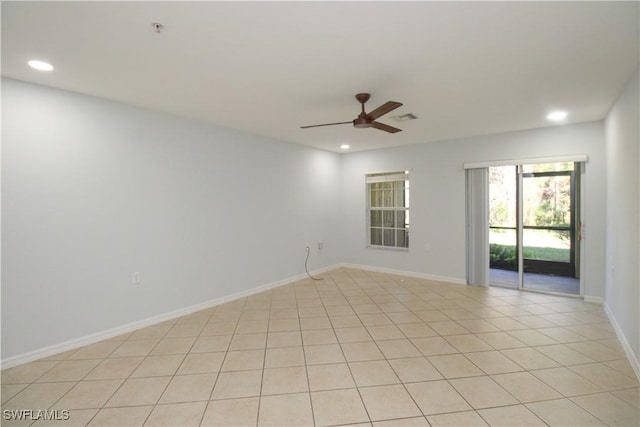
(385, 231)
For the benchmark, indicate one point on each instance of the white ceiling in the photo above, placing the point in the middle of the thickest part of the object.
(464, 68)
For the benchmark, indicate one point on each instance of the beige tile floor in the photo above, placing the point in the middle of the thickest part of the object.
(355, 348)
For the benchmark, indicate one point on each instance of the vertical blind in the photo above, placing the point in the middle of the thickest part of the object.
(477, 226)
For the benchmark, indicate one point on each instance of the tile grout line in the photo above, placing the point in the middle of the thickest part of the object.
(304, 357)
(365, 289)
(172, 376)
(394, 371)
(206, 406)
(349, 366)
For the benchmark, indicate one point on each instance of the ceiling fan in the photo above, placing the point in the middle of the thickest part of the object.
(368, 120)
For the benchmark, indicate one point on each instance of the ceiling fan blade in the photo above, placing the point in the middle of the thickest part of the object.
(326, 124)
(382, 110)
(385, 128)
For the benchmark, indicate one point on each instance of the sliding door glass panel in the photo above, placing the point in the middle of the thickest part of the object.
(503, 257)
(547, 245)
(546, 200)
(547, 222)
(503, 242)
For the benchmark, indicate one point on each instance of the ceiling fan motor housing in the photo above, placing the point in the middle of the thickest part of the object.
(361, 122)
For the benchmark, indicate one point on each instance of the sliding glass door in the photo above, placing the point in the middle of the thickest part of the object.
(533, 222)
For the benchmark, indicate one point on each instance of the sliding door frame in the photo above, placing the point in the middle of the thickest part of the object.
(579, 161)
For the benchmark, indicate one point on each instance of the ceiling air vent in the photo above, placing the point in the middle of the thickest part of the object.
(404, 117)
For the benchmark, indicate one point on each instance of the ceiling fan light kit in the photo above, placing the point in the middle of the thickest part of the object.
(368, 120)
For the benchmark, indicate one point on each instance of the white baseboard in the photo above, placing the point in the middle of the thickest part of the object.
(406, 273)
(130, 327)
(633, 360)
(594, 300)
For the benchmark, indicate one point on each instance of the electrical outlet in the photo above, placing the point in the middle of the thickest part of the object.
(135, 278)
(320, 245)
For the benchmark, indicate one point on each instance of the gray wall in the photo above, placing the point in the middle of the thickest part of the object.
(623, 215)
(437, 209)
(93, 191)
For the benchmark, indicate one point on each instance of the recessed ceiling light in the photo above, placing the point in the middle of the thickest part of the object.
(40, 65)
(557, 116)
(345, 146)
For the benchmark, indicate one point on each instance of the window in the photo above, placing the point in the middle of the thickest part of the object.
(388, 209)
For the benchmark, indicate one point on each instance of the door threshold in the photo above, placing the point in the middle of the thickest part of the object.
(536, 291)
